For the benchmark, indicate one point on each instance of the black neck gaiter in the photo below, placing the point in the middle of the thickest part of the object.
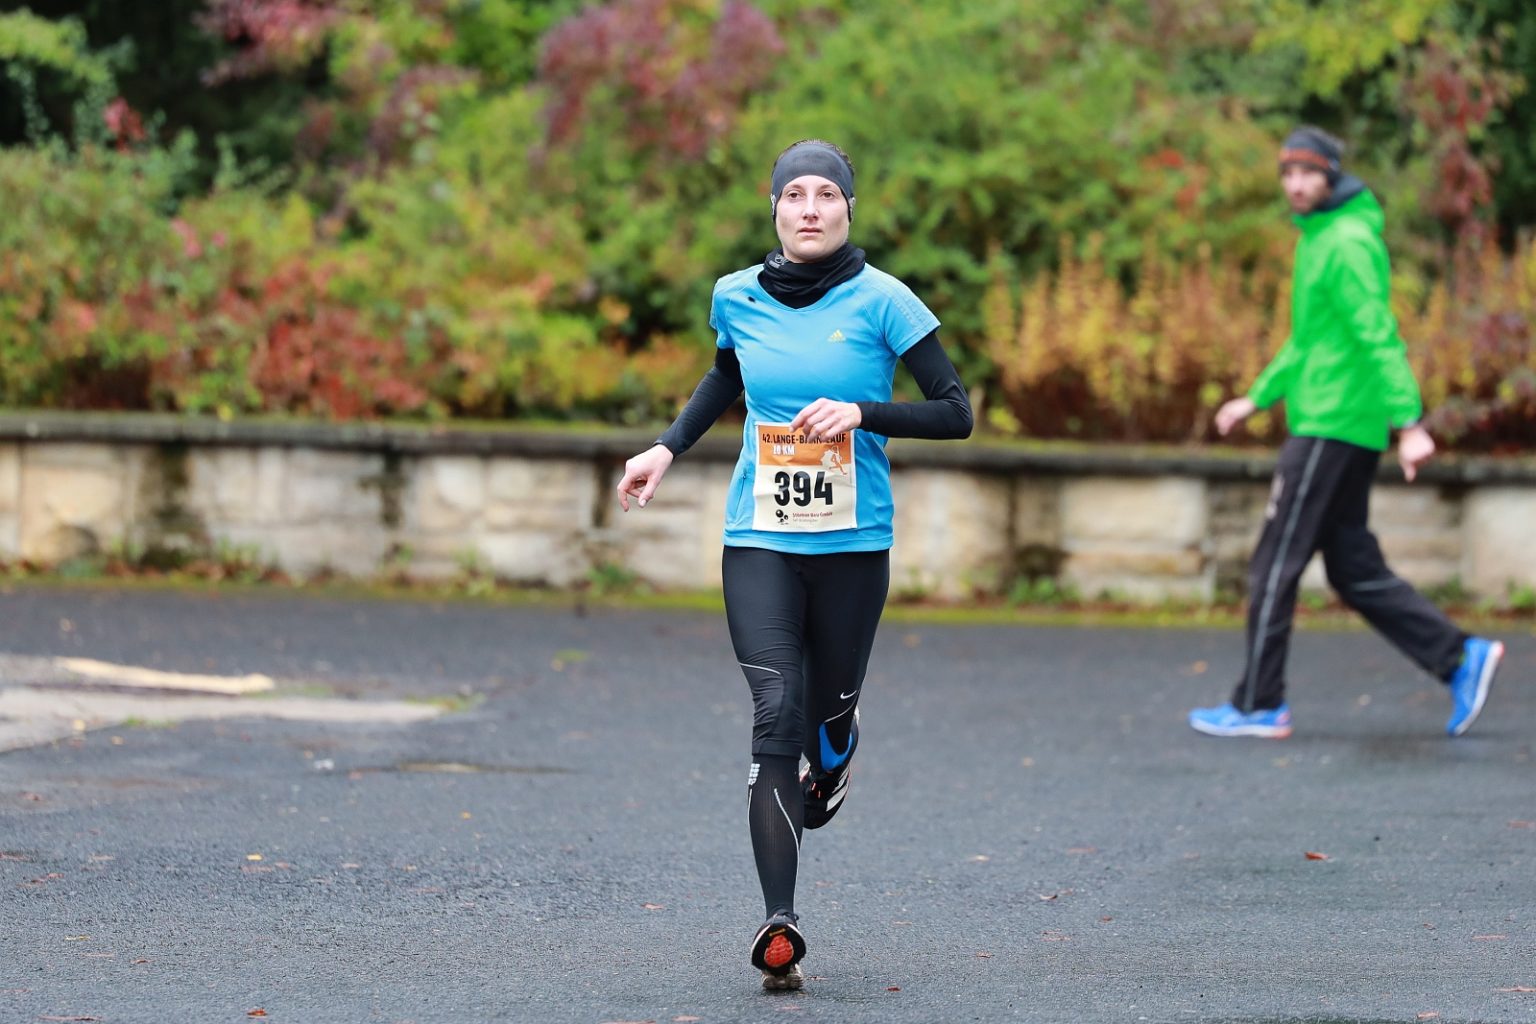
(798, 285)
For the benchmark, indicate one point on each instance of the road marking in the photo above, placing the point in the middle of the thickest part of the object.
(153, 679)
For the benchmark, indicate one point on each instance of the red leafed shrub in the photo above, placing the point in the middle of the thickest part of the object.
(271, 35)
(675, 76)
(318, 356)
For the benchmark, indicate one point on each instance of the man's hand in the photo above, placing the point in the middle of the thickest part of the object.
(1232, 413)
(825, 418)
(1414, 448)
(642, 475)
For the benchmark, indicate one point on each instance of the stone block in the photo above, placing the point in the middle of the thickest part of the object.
(1037, 512)
(554, 494)
(77, 498)
(676, 540)
(1414, 508)
(951, 532)
(10, 500)
(1163, 510)
(10, 478)
(325, 487)
(449, 494)
(1498, 552)
(534, 557)
(311, 547)
(236, 485)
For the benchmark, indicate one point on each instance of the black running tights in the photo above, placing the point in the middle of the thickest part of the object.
(802, 627)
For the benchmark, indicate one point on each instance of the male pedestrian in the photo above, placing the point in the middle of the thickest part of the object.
(1346, 382)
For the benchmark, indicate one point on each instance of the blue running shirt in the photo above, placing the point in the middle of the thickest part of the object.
(844, 347)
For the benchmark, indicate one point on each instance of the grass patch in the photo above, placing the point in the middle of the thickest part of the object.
(1040, 601)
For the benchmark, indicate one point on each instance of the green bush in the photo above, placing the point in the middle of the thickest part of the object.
(513, 209)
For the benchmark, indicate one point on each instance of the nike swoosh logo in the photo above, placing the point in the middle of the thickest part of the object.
(849, 696)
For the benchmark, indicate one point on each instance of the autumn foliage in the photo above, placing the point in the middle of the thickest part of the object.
(512, 208)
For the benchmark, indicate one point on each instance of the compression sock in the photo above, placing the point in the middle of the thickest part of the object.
(776, 811)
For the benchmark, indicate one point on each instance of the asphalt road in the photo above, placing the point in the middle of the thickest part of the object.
(1033, 833)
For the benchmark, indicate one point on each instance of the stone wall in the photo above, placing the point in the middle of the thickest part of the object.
(538, 507)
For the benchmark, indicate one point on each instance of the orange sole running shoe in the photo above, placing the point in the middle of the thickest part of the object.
(778, 945)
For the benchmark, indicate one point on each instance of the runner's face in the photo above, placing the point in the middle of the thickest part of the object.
(811, 219)
(1305, 187)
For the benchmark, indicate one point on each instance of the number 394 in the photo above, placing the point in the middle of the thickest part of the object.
(804, 489)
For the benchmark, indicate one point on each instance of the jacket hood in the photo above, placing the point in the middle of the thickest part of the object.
(1350, 198)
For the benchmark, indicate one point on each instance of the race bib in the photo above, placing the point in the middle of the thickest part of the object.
(802, 486)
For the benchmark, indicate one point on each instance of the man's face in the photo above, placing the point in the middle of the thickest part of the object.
(811, 219)
(1305, 187)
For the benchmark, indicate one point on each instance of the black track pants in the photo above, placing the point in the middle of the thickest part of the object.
(803, 627)
(1319, 501)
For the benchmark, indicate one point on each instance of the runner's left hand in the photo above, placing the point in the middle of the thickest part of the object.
(825, 418)
(1414, 448)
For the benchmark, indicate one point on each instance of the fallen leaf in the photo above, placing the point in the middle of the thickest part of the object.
(258, 1012)
(1199, 668)
(652, 906)
(652, 1021)
(142, 960)
(686, 1020)
(1082, 849)
(1317, 856)
(894, 988)
(253, 856)
(985, 956)
(1489, 938)
(77, 938)
(465, 815)
(1055, 936)
(1522, 824)
(1106, 920)
(44, 880)
(1517, 988)
(7, 855)
(980, 858)
(46, 1017)
(1428, 1015)
(36, 798)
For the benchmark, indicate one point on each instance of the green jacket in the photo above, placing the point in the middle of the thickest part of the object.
(1344, 371)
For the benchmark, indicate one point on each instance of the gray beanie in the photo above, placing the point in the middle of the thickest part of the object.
(1313, 147)
(812, 157)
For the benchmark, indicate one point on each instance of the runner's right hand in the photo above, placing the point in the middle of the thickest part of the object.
(642, 475)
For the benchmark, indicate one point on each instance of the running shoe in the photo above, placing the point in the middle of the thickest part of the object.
(778, 946)
(1473, 679)
(1226, 720)
(784, 982)
(824, 793)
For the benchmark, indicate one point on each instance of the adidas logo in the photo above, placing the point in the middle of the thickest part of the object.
(836, 336)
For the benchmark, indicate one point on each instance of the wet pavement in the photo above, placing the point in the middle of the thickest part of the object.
(1033, 833)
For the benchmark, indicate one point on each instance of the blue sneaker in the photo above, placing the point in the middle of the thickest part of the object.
(1470, 685)
(1228, 721)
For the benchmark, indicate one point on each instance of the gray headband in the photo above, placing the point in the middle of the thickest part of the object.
(812, 158)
